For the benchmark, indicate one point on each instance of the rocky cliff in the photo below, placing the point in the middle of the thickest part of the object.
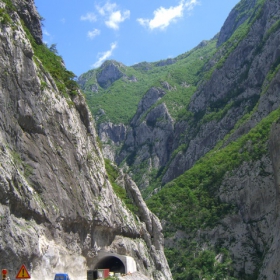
(57, 207)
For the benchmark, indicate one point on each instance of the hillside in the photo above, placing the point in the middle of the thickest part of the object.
(58, 209)
(124, 86)
(202, 143)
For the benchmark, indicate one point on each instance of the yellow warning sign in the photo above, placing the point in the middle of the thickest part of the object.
(23, 273)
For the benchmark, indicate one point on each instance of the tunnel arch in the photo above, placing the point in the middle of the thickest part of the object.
(115, 262)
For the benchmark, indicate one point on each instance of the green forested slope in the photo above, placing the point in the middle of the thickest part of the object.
(190, 202)
(120, 100)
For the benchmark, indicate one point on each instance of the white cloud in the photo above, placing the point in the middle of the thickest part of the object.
(164, 17)
(113, 15)
(107, 8)
(190, 4)
(95, 32)
(89, 17)
(104, 55)
(116, 18)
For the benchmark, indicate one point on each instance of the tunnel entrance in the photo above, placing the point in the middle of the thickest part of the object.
(114, 264)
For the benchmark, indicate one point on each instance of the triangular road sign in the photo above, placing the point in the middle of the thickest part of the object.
(23, 273)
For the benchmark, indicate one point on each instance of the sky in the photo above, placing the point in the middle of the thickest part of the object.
(88, 32)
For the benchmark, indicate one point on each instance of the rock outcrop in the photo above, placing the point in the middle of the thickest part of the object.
(112, 136)
(149, 140)
(28, 13)
(57, 207)
(235, 19)
(109, 73)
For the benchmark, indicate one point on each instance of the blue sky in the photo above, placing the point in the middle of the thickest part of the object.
(87, 32)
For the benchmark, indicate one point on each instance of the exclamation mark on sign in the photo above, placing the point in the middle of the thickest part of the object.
(23, 272)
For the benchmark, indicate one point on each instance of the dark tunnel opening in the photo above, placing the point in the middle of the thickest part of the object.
(114, 264)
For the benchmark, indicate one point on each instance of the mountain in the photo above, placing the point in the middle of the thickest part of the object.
(58, 209)
(199, 134)
(119, 117)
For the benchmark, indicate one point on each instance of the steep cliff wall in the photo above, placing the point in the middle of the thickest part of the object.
(57, 207)
(240, 73)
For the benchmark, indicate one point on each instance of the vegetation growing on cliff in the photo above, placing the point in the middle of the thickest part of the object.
(178, 80)
(53, 63)
(209, 263)
(113, 174)
(189, 203)
(4, 12)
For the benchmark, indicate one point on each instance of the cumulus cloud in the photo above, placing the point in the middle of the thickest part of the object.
(163, 17)
(95, 32)
(89, 17)
(107, 8)
(116, 18)
(104, 55)
(113, 15)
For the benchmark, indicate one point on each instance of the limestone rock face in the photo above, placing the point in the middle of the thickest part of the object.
(149, 99)
(113, 132)
(149, 140)
(112, 136)
(239, 81)
(153, 236)
(109, 73)
(57, 207)
(234, 20)
(31, 18)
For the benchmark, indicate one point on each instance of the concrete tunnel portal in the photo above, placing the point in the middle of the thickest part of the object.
(115, 263)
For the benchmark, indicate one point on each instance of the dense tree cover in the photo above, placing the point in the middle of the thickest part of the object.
(120, 100)
(193, 264)
(189, 203)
